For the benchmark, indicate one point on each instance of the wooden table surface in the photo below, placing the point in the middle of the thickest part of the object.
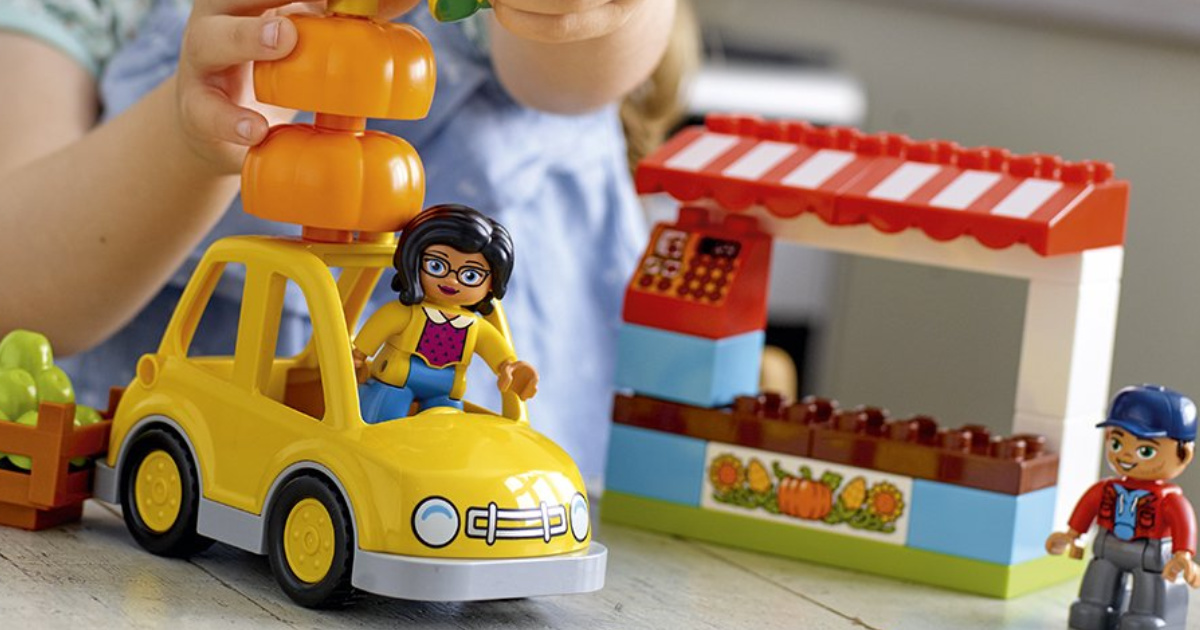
(91, 574)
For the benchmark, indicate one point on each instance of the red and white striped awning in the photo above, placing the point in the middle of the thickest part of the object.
(848, 178)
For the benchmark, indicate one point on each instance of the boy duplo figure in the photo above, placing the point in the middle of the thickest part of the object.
(1146, 535)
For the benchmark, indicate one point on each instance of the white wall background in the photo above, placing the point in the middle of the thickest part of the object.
(921, 340)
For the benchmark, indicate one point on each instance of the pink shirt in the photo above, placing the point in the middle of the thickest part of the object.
(444, 338)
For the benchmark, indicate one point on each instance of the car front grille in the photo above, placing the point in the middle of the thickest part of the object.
(492, 523)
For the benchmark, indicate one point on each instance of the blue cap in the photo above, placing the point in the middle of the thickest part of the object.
(1153, 411)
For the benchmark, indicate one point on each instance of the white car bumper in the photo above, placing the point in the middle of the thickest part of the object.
(432, 579)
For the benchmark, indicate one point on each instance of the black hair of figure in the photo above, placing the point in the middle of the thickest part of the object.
(463, 228)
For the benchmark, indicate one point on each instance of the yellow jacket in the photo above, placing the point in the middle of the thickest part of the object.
(398, 329)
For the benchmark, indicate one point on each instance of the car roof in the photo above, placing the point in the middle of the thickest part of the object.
(268, 249)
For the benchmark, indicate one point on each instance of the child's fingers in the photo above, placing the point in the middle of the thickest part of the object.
(208, 113)
(220, 41)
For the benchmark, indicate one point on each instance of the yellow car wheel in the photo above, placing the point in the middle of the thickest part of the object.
(160, 495)
(308, 540)
(158, 491)
(310, 544)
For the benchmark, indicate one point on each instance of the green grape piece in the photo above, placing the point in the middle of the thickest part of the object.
(27, 350)
(84, 416)
(18, 392)
(29, 419)
(53, 385)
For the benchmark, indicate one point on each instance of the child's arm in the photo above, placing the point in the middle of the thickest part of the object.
(92, 223)
(570, 56)
(95, 219)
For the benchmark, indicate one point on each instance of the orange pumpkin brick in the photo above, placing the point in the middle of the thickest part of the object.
(332, 179)
(351, 66)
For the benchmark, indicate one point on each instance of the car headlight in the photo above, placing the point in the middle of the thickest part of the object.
(435, 522)
(580, 520)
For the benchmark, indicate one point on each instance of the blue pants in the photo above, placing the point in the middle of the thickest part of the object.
(429, 386)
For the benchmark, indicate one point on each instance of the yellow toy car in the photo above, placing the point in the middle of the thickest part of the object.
(272, 455)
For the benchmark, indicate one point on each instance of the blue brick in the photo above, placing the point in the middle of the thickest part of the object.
(657, 465)
(989, 526)
(684, 368)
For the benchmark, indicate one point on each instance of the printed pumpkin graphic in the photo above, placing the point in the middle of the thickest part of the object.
(802, 498)
(801, 495)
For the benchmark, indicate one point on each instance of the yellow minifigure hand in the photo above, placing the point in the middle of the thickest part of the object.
(1181, 562)
(518, 377)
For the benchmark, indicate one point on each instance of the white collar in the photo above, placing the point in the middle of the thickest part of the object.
(438, 317)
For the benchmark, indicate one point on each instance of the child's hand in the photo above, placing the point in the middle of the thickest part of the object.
(564, 21)
(217, 111)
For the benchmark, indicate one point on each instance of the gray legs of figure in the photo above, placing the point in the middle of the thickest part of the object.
(1123, 588)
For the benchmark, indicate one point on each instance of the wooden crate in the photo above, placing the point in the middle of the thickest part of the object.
(51, 493)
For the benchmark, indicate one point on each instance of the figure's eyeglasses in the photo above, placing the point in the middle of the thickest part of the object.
(468, 276)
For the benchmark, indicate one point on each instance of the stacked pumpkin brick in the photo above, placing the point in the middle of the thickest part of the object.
(333, 177)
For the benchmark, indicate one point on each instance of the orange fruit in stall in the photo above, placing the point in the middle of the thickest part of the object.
(333, 179)
(351, 66)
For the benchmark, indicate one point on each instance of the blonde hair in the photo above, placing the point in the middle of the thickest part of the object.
(653, 110)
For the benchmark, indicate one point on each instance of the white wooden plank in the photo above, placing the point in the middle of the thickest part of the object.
(877, 602)
(92, 575)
